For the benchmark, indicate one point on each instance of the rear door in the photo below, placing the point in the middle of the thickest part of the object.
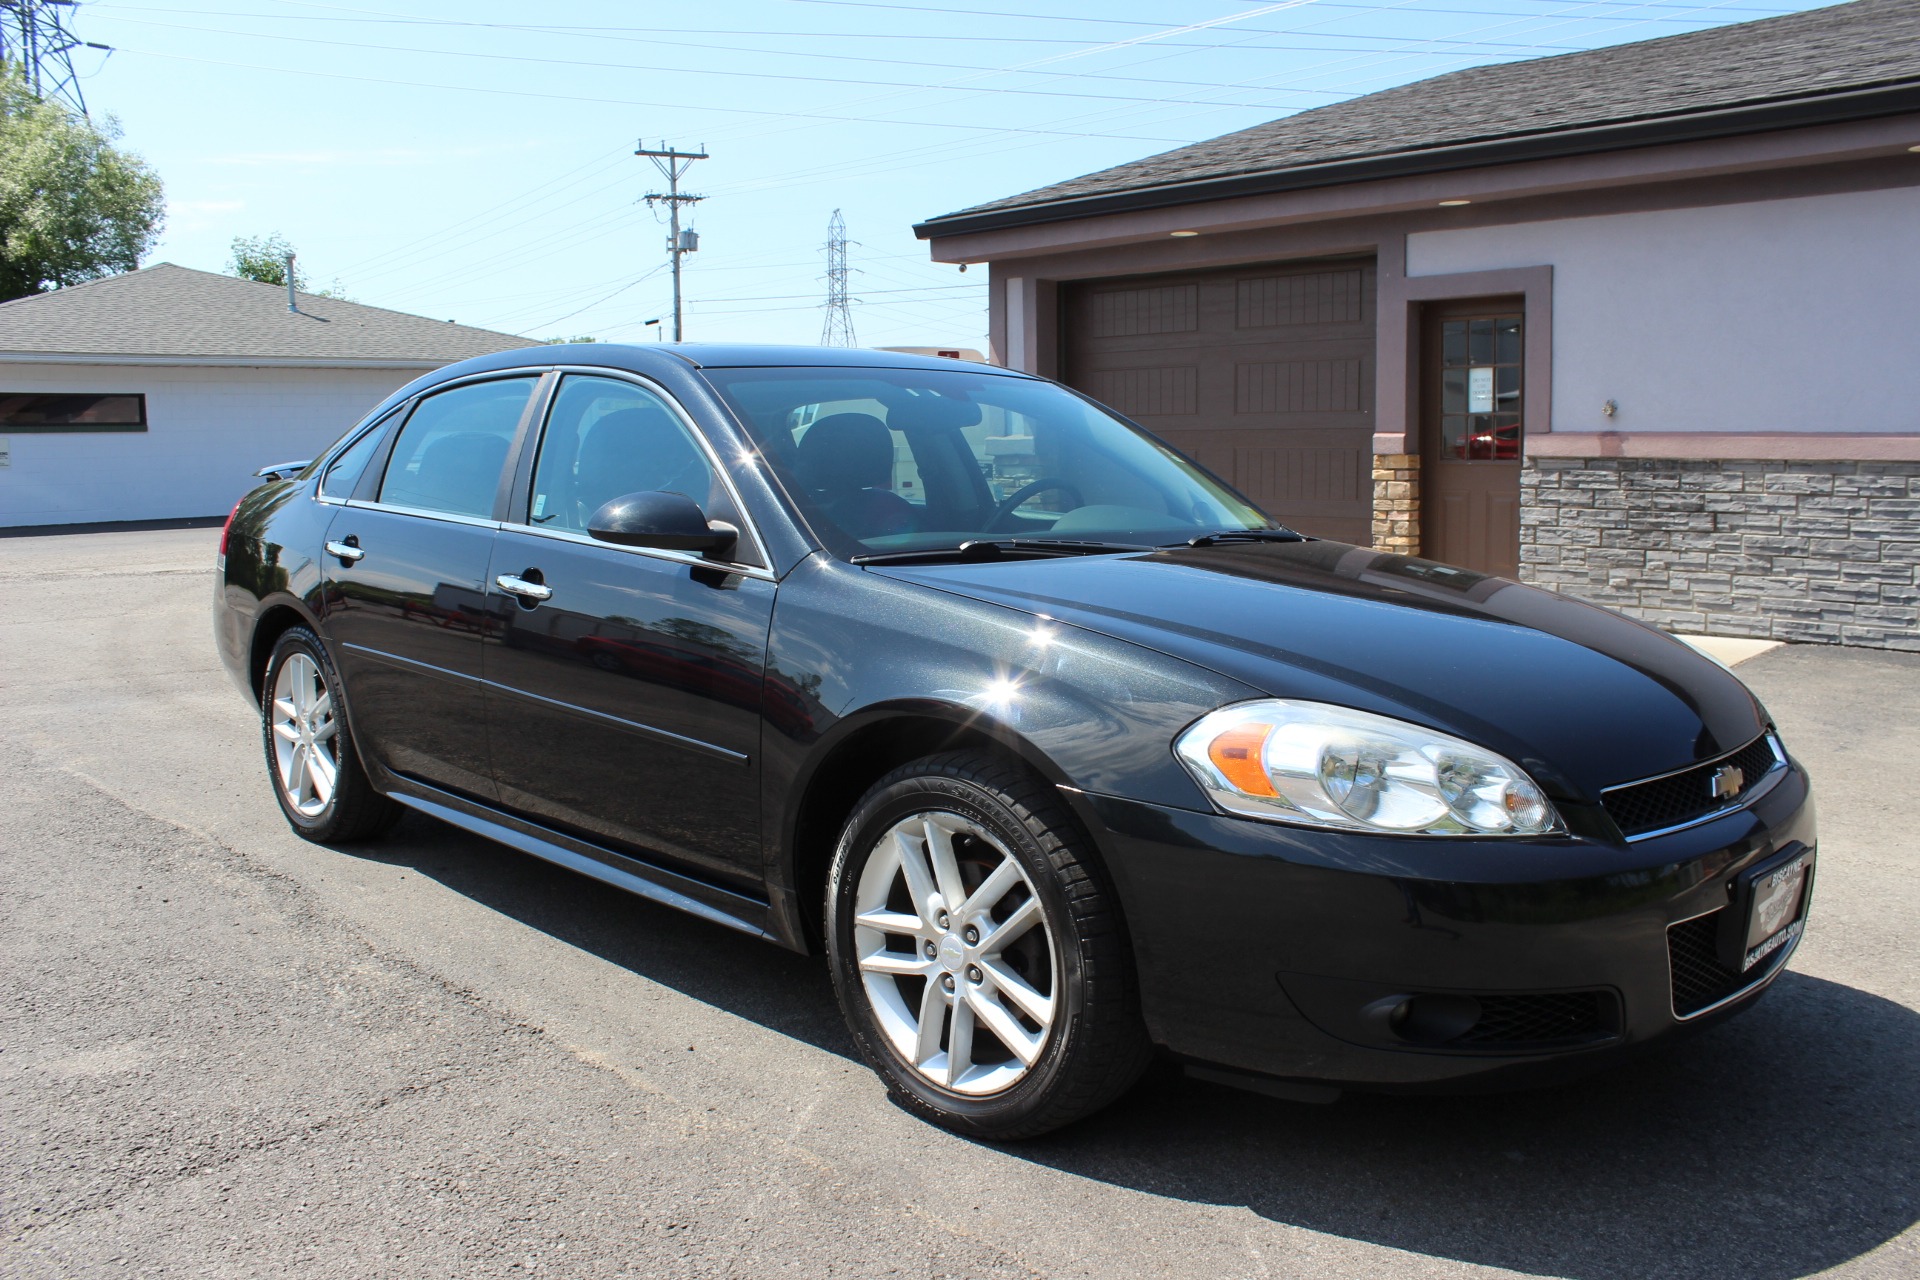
(625, 705)
(405, 583)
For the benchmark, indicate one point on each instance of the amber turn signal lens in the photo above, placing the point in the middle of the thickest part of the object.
(1236, 754)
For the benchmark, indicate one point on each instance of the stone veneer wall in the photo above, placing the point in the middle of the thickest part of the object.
(1396, 503)
(1821, 551)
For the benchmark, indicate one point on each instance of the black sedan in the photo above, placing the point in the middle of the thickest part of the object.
(1061, 750)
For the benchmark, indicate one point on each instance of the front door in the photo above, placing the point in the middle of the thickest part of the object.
(625, 704)
(1472, 435)
(405, 586)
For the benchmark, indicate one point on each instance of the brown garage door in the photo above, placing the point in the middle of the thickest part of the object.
(1265, 374)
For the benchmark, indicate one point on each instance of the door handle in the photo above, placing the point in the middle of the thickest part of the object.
(514, 585)
(348, 551)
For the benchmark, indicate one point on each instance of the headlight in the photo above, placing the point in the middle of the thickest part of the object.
(1317, 765)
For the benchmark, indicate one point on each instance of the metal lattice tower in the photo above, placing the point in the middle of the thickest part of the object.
(34, 37)
(837, 330)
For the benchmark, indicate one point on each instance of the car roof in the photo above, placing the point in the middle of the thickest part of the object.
(654, 356)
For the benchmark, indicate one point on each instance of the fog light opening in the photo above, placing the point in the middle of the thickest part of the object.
(1433, 1020)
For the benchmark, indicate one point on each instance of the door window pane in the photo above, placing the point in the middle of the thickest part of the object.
(1506, 332)
(606, 438)
(451, 452)
(345, 471)
(1480, 388)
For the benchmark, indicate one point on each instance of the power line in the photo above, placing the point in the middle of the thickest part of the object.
(715, 71)
(631, 102)
(836, 330)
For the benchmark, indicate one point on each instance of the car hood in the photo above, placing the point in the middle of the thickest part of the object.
(1580, 696)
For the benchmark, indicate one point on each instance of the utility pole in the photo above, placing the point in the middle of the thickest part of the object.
(33, 33)
(674, 163)
(837, 330)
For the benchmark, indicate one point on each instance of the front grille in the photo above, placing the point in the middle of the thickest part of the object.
(1560, 1018)
(1679, 798)
(1699, 979)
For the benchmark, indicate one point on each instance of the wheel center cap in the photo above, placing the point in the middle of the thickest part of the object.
(953, 953)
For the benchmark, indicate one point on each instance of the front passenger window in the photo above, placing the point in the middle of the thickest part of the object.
(451, 452)
(607, 438)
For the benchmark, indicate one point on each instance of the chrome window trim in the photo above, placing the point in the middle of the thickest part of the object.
(748, 527)
(1768, 781)
(1777, 964)
(390, 508)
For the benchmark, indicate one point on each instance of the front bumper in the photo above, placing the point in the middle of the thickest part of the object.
(1290, 953)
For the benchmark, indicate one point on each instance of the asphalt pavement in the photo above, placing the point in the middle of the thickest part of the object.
(227, 1052)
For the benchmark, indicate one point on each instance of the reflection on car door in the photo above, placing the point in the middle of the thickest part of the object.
(625, 706)
(405, 585)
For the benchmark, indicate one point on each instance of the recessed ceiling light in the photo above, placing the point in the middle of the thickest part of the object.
(1453, 204)
(1183, 233)
(1913, 148)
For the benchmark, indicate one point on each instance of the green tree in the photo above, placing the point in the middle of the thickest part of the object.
(73, 206)
(264, 258)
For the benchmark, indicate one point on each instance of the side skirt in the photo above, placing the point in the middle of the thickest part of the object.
(709, 902)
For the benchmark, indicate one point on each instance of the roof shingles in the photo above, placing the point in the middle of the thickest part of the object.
(167, 311)
(1845, 46)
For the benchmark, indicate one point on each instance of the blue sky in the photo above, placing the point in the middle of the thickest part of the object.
(472, 159)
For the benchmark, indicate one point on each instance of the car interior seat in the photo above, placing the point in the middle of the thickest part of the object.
(846, 462)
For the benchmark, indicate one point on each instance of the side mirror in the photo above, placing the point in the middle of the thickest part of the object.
(668, 521)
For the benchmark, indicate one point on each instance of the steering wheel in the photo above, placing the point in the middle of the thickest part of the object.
(1025, 491)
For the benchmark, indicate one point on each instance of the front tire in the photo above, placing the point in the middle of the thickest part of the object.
(311, 757)
(977, 950)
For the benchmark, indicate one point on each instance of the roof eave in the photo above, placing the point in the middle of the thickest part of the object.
(1831, 108)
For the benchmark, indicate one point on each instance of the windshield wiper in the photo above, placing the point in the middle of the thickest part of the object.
(982, 549)
(1246, 535)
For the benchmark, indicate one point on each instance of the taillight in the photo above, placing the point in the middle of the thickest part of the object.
(226, 530)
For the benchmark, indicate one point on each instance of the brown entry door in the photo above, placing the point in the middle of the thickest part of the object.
(1263, 373)
(1472, 434)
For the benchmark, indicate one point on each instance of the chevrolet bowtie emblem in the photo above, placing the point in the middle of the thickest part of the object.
(1728, 780)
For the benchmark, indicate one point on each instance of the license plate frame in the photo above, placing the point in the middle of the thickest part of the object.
(1770, 909)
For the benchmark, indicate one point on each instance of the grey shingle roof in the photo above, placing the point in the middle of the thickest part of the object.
(164, 310)
(1795, 56)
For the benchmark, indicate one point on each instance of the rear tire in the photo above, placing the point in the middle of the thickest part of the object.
(312, 760)
(977, 950)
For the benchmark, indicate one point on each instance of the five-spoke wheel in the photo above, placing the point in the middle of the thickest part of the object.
(300, 717)
(954, 952)
(317, 777)
(977, 950)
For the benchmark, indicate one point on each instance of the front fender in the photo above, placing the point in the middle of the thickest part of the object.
(851, 650)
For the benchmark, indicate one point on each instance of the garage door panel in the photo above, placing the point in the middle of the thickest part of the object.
(1263, 373)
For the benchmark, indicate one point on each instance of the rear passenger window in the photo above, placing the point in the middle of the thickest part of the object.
(345, 472)
(454, 446)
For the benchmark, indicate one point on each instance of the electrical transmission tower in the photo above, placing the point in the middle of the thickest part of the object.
(837, 330)
(674, 163)
(34, 35)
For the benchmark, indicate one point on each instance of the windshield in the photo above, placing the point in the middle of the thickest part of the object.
(902, 460)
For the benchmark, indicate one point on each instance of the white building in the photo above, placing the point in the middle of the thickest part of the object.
(156, 395)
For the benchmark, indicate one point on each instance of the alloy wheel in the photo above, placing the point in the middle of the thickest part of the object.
(305, 736)
(956, 954)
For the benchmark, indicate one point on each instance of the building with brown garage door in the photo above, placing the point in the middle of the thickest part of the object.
(1641, 323)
